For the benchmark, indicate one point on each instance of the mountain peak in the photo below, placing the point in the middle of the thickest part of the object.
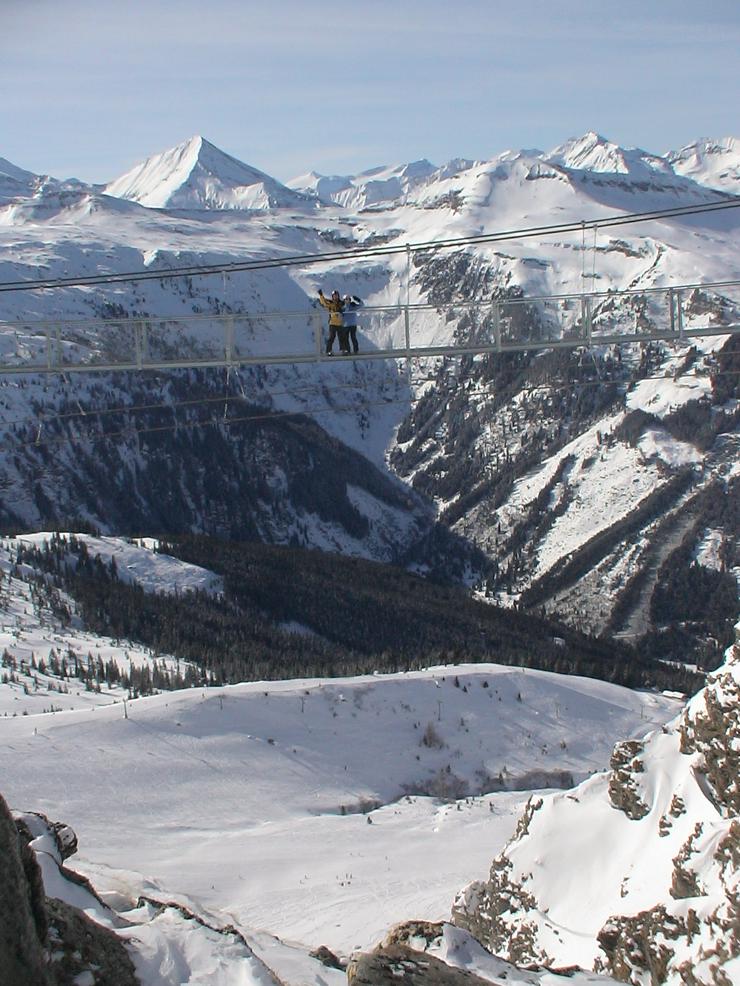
(10, 170)
(197, 174)
(593, 152)
(714, 162)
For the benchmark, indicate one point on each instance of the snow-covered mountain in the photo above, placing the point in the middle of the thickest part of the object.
(377, 187)
(635, 872)
(714, 163)
(197, 175)
(507, 453)
(592, 152)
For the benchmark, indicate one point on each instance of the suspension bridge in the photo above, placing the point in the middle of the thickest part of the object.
(405, 331)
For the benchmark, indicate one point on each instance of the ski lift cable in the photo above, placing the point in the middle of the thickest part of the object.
(358, 252)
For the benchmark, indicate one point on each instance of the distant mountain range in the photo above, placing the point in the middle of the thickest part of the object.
(196, 175)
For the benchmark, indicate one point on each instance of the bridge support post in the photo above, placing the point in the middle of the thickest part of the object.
(679, 315)
(138, 332)
(317, 336)
(586, 318)
(229, 341)
(49, 352)
(672, 309)
(497, 325)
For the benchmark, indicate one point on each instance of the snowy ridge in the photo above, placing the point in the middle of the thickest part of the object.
(592, 152)
(378, 186)
(714, 163)
(646, 853)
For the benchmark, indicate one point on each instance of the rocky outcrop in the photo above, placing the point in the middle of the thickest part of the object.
(485, 909)
(711, 728)
(45, 941)
(625, 763)
(649, 893)
(399, 965)
(80, 945)
(438, 953)
(23, 919)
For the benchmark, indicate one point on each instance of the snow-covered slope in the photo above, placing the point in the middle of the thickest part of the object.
(197, 175)
(378, 187)
(208, 793)
(714, 163)
(475, 418)
(636, 871)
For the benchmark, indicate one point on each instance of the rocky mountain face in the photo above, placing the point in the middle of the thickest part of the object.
(598, 484)
(636, 872)
(43, 940)
(259, 476)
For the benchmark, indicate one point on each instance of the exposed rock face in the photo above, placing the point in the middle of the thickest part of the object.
(80, 945)
(625, 763)
(43, 941)
(399, 965)
(650, 893)
(23, 924)
(711, 728)
(486, 912)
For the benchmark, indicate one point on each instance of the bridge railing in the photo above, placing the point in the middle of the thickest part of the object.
(499, 324)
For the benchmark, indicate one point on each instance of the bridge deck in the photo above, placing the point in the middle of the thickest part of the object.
(675, 314)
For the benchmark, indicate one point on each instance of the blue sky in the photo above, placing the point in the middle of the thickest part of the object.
(90, 87)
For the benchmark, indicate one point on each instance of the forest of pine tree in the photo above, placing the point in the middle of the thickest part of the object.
(289, 613)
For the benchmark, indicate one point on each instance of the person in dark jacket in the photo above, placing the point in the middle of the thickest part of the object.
(335, 307)
(351, 304)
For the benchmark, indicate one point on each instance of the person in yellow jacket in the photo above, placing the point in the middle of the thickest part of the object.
(335, 306)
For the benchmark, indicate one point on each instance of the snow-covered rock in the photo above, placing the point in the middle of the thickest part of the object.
(636, 871)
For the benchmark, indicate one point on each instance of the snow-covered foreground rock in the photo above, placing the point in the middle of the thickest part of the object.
(636, 871)
(58, 930)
